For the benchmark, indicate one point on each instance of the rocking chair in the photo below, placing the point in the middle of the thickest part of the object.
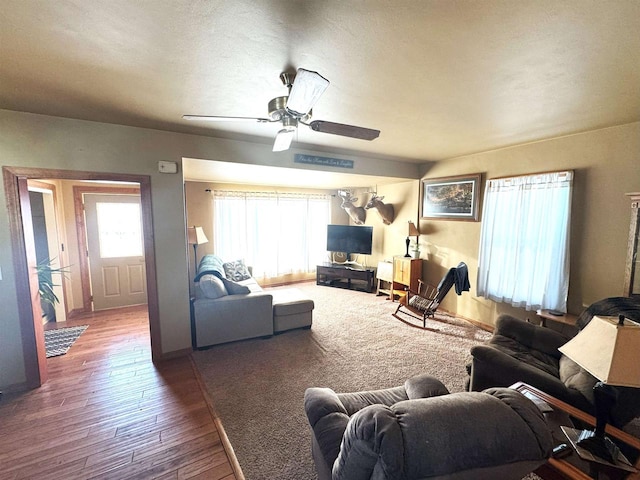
(424, 303)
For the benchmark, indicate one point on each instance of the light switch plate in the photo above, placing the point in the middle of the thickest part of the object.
(167, 167)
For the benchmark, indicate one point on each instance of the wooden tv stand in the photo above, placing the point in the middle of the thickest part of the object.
(345, 276)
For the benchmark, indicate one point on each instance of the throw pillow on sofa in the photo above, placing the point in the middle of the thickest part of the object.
(236, 271)
(234, 288)
(212, 286)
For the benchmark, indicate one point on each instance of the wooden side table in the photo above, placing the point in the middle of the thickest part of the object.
(384, 274)
(573, 467)
(566, 318)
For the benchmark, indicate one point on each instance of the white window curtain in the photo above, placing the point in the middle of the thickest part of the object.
(275, 233)
(524, 241)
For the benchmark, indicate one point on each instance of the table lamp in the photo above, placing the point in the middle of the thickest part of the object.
(195, 237)
(411, 232)
(609, 349)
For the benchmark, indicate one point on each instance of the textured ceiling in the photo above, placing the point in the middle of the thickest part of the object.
(438, 78)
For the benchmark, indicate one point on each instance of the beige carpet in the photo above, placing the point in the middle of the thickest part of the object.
(257, 386)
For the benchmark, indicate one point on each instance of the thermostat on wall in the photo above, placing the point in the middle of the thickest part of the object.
(167, 167)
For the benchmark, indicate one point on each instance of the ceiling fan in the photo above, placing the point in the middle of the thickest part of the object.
(305, 88)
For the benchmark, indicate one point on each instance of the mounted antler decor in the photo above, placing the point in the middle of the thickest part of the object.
(357, 214)
(385, 210)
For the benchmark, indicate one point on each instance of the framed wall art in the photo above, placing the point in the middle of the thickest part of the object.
(451, 198)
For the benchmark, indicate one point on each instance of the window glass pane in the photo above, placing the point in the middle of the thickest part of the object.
(524, 241)
(119, 229)
(277, 234)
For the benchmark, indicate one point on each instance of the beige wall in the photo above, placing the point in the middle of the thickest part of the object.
(606, 164)
(389, 240)
(40, 141)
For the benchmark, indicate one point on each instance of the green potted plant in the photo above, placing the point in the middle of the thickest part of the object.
(46, 274)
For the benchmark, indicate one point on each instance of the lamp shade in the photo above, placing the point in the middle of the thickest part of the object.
(608, 350)
(307, 88)
(413, 231)
(196, 236)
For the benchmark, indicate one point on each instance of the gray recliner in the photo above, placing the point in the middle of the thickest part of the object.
(421, 431)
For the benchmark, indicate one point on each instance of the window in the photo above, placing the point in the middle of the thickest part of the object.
(275, 233)
(524, 241)
(119, 230)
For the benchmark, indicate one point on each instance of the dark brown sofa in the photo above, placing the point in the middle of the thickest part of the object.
(520, 351)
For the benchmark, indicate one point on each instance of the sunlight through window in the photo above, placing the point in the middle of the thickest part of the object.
(119, 230)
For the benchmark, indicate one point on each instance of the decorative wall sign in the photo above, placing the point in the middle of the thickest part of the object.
(325, 161)
(451, 198)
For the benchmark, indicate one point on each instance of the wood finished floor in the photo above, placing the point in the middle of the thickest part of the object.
(107, 412)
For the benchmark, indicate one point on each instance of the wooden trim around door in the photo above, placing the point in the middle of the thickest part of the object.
(23, 254)
(35, 368)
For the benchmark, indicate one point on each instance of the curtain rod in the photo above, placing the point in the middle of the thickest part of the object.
(241, 193)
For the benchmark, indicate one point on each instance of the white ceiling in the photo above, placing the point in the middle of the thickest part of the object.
(439, 78)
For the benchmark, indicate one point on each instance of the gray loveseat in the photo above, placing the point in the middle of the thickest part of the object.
(230, 305)
(225, 310)
(420, 431)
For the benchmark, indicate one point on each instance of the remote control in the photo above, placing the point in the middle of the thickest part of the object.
(561, 451)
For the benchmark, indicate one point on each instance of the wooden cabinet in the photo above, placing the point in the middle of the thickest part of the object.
(406, 273)
(632, 267)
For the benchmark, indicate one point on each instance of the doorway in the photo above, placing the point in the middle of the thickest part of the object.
(109, 230)
(49, 250)
(114, 246)
(24, 259)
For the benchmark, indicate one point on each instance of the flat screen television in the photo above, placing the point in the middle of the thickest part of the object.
(349, 239)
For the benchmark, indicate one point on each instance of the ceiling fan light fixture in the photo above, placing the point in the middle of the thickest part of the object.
(283, 139)
(307, 89)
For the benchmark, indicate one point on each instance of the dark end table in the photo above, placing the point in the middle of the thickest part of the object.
(572, 467)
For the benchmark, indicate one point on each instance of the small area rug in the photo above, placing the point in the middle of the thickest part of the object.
(58, 342)
(257, 386)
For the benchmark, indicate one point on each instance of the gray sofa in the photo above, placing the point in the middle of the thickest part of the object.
(230, 305)
(420, 431)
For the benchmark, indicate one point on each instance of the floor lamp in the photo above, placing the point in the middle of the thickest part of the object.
(609, 349)
(195, 237)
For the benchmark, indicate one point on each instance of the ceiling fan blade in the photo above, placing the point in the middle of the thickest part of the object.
(344, 130)
(307, 88)
(213, 118)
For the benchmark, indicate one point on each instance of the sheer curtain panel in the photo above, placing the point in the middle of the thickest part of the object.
(276, 233)
(524, 241)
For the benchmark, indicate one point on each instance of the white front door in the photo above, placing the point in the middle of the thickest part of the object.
(115, 250)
